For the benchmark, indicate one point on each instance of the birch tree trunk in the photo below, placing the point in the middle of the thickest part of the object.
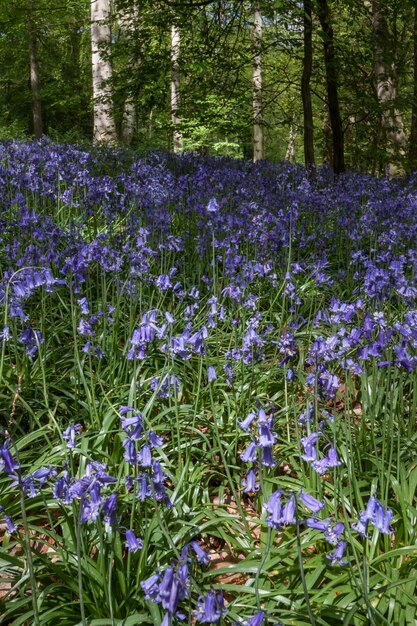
(290, 154)
(128, 18)
(104, 126)
(175, 87)
(34, 76)
(384, 69)
(258, 138)
(412, 146)
(332, 86)
(305, 86)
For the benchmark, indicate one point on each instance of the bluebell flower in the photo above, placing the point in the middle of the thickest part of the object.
(249, 483)
(150, 587)
(144, 457)
(130, 454)
(245, 425)
(69, 435)
(109, 509)
(212, 206)
(266, 437)
(10, 526)
(133, 543)
(332, 534)
(337, 555)
(210, 608)
(131, 425)
(288, 512)
(309, 444)
(310, 502)
(211, 373)
(202, 557)
(256, 620)
(250, 453)
(267, 459)
(7, 462)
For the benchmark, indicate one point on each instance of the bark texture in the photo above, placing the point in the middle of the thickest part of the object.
(305, 86)
(175, 87)
(412, 147)
(258, 138)
(34, 76)
(129, 19)
(332, 86)
(384, 68)
(104, 127)
(292, 136)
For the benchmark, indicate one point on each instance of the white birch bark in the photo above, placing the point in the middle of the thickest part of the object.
(391, 120)
(175, 87)
(290, 154)
(104, 126)
(258, 139)
(128, 18)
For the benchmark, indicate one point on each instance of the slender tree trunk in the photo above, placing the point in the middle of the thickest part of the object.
(175, 87)
(332, 86)
(305, 86)
(128, 121)
(128, 18)
(290, 154)
(34, 77)
(384, 69)
(327, 151)
(104, 126)
(258, 138)
(412, 148)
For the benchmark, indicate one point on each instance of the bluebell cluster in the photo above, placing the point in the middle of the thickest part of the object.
(191, 247)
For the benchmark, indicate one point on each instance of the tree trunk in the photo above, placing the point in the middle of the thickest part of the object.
(258, 139)
(305, 86)
(104, 126)
(128, 18)
(175, 87)
(34, 77)
(384, 69)
(332, 86)
(290, 154)
(412, 148)
(327, 151)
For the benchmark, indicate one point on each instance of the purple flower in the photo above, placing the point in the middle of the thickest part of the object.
(11, 527)
(249, 483)
(266, 437)
(211, 373)
(309, 444)
(109, 509)
(69, 435)
(150, 587)
(333, 534)
(245, 425)
(131, 425)
(133, 543)
(267, 457)
(337, 555)
(274, 508)
(7, 462)
(202, 557)
(250, 453)
(212, 206)
(210, 608)
(257, 619)
(288, 512)
(130, 455)
(310, 502)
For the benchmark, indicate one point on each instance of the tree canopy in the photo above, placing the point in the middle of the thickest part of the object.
(334, 83)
